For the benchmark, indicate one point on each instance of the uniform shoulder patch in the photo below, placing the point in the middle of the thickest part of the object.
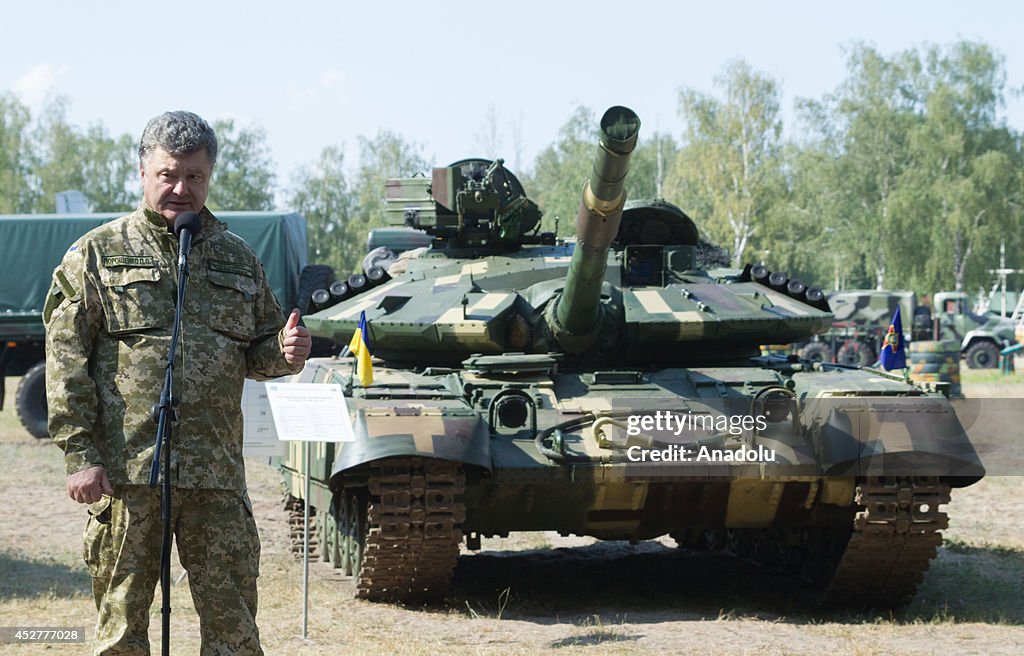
(111, 261)
(62, 290)
(65, 285)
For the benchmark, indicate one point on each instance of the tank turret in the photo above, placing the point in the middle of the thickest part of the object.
(630, 287)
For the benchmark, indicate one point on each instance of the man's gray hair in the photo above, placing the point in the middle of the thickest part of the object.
(179, 133)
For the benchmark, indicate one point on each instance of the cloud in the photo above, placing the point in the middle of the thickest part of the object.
(34, 86)
(330, 86)
(332, 80)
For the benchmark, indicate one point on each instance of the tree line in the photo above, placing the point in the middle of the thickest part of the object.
(904, 176)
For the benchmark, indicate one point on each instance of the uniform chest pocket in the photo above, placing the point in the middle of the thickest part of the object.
(134, 299)
(231, 309)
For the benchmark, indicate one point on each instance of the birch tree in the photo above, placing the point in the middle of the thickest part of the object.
(729, 167)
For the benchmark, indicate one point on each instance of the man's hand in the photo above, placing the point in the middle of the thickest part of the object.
(297, 341)
(89, 485)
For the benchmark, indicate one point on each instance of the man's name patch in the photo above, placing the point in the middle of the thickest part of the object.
(111, 261)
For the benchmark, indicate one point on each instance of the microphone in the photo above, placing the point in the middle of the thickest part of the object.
(187, 226)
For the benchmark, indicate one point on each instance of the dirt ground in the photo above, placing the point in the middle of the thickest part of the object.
(538, 592)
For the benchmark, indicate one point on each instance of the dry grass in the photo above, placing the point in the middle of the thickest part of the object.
(536, 593)
(970, 376)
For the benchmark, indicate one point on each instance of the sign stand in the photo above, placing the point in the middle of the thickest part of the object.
(305, 545)
(309, 412)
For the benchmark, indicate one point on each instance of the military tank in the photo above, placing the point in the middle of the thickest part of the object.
(609, 386)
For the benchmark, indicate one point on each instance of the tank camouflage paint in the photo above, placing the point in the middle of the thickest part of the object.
(610, 386)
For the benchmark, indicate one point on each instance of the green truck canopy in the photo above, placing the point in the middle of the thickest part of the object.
(32, 245)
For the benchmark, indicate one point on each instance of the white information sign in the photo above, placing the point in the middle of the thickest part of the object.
(259, 436)
(310, 412)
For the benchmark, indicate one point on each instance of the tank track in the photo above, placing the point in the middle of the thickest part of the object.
(415, 514)
(296, 516)
(876, 559)
(895, 536)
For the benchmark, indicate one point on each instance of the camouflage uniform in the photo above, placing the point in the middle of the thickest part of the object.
(109, 318)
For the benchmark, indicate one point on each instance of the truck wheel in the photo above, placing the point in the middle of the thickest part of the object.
(856, 353)
(312, 278)
(30, 401)
(982, 355)
(817, 352)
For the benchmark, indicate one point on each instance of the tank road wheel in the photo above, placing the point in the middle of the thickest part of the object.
(739, 541)
(765, 549)
(980, 355)
(820, 549)
(330, 540)
(414, 513)
(322, 536)
(333, 538)
(344, 541)
(714, 539)
(356, 535)
(817, 352)
(791, 555)
(30, 401)
(856, 353)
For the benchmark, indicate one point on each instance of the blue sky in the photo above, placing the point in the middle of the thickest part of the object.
(324, 73)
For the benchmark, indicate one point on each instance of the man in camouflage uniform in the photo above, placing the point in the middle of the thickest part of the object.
(109, 318)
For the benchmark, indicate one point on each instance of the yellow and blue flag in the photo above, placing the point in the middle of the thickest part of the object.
(894, 352)
(360, 348)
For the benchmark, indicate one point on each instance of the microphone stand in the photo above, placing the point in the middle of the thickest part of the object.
(164, 414)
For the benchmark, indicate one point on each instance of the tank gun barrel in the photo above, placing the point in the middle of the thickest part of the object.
(577, 314)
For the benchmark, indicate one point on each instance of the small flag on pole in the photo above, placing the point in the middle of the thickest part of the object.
(894, 352)
(360, 348)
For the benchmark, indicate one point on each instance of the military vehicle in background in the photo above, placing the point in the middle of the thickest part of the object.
(32, 245)
(981, 336)
(997, 302)
(608, 386)
(862, 319)
(1000, 299)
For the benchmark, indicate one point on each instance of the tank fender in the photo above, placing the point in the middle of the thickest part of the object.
(447, 431)
(901, 436)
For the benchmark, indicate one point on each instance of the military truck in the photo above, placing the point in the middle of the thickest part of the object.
(31, 245)
(981, 336)
(862, 318)
(997, 302)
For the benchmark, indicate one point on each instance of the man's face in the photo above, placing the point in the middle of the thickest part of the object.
(172, 184)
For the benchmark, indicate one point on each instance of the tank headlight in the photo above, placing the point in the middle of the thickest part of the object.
(512, 411)
(776, 404)
(777, 408)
